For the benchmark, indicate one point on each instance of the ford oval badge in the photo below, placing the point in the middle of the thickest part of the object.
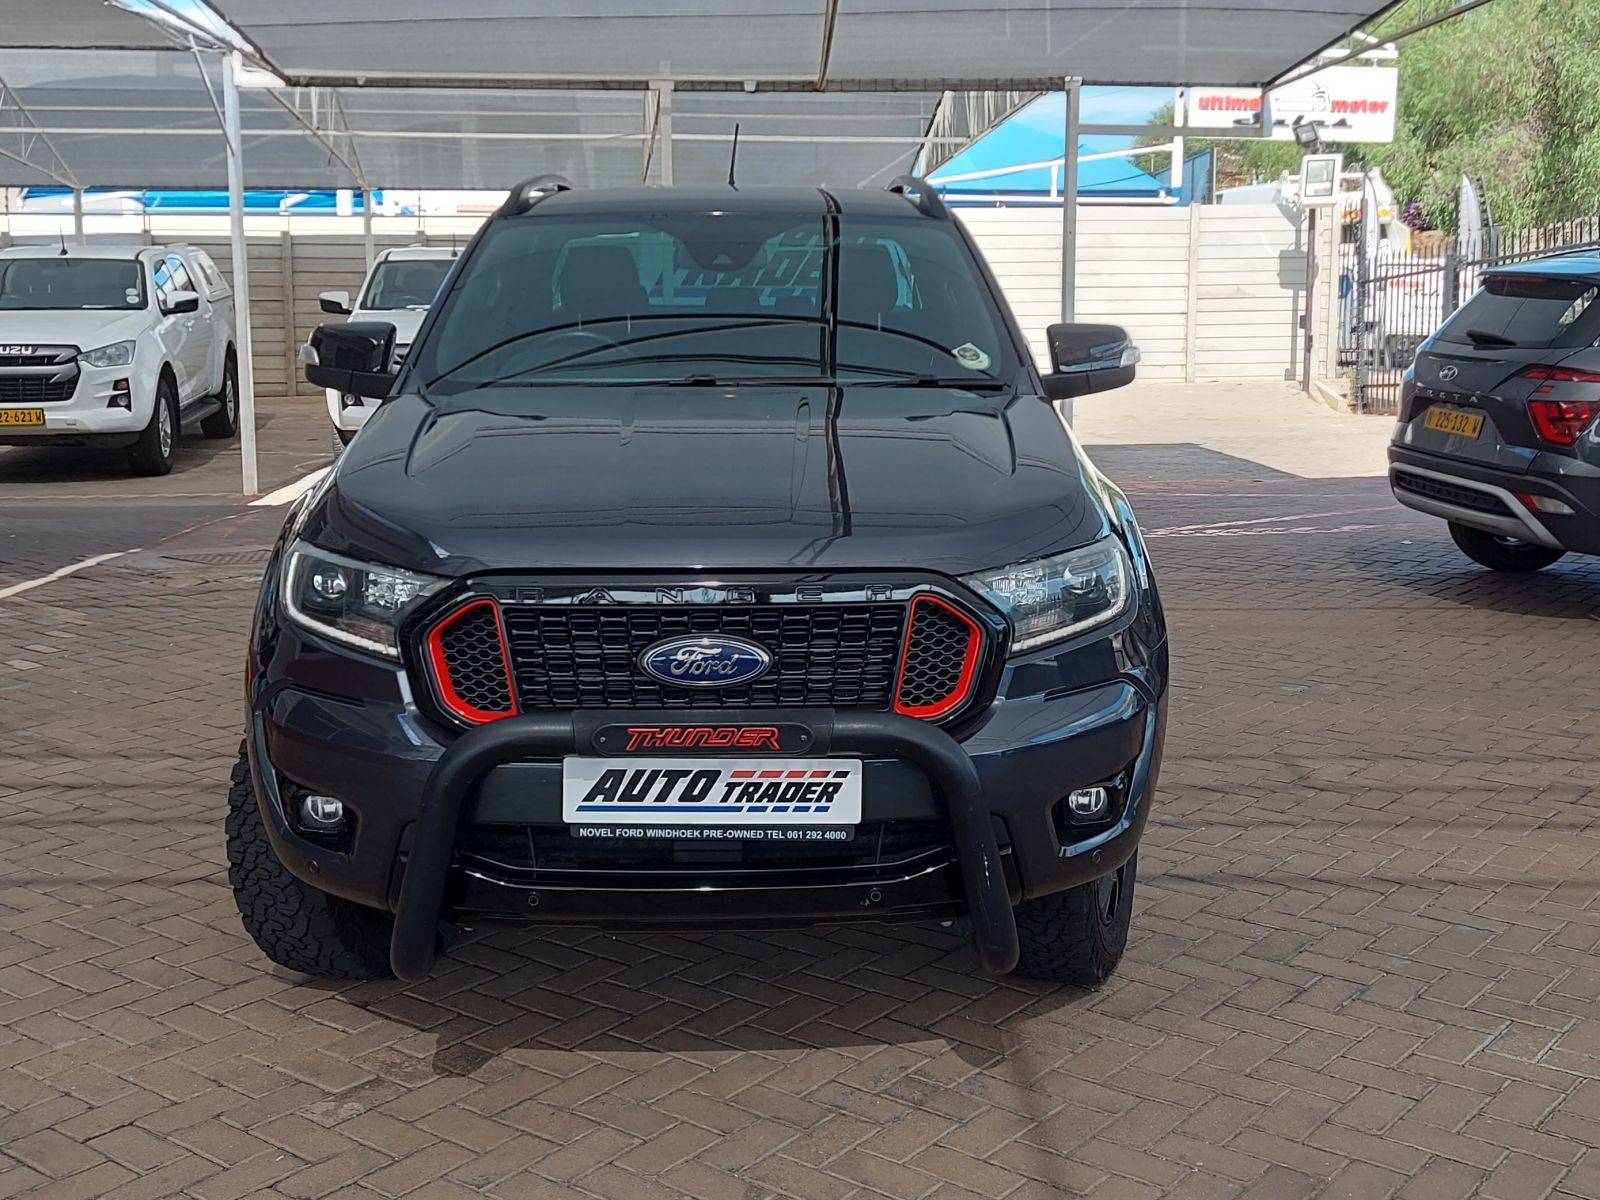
(706, 661)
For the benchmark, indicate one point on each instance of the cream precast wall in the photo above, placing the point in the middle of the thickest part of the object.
(1208, 292)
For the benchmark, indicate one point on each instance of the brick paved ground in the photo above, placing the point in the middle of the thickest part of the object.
(1364, 960)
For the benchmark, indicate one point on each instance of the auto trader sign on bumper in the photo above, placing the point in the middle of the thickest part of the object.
(1351, 104)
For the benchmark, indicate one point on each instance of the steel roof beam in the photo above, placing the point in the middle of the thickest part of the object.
(31, 132)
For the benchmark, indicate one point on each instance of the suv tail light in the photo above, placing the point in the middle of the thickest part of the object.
(939, 661)
(471, 665)
(1559, 422)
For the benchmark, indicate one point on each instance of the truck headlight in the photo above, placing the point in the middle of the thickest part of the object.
(117, 354)
(360, 604)
(1056, 598)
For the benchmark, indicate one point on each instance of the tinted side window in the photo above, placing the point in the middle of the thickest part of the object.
(1528, 310)
(161, 274)
(180, 274)
(209, 274)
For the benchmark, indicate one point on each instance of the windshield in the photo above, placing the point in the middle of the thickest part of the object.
(40, 283)
(405, 282)
(715, 297)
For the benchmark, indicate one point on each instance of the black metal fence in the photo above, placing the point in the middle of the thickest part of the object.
(1393, 295)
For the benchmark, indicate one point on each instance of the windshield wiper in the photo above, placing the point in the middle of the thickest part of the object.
(1482, 337)
(965, 383)
(743, 381)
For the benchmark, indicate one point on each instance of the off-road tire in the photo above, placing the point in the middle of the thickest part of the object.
(296, 925)
(148, 456)
(224, 423)
(1502, 553)
(1077, 936)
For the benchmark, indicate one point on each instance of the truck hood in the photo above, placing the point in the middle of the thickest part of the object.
(86, 329)
(701, 479)
(406, 321)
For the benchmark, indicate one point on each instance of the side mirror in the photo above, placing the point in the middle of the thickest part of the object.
(354, 357)
(182, 302)
(1088, 358)
(337, 303)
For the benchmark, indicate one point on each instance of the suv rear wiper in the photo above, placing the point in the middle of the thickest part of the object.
(1482, 337)
(966, 383)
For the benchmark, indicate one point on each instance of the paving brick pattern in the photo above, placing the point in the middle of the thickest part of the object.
(1364, 961)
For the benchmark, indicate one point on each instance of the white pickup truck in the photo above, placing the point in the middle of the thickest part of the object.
(399, 288)
(115, 345)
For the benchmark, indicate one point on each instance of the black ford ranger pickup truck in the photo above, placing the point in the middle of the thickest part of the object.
(715, 560)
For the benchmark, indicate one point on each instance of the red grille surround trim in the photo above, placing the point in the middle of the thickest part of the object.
(962, 691)
(454, 703)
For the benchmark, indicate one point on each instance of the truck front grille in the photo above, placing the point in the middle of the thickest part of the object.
(918, 656)
(36, 389)
(823, 655)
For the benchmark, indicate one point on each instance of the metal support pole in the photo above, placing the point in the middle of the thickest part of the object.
(1308, 319)
(367, 244)
(663, 90)
(1069, 202)
(249, 480)
(1180, 107)
(77, 215)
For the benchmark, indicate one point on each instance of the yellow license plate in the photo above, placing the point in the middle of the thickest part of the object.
(1454, 420)
(21, 416)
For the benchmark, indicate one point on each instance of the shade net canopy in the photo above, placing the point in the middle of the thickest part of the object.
(481, 93)
(800, 43)
(146, 119)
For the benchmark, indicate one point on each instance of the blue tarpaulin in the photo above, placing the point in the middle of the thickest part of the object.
(1036, 135)
(51, 199)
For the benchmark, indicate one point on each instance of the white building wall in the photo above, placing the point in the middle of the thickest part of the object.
(1207, 292)
(1228, 310)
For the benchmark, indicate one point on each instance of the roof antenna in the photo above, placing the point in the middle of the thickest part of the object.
(63, 235)
(733, 158)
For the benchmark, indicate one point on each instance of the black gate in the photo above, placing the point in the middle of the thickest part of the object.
(1392, 295)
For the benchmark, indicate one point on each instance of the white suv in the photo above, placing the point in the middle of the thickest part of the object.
(399, 289)
(115, 346)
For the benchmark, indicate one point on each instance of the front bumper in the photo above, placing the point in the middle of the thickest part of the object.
(418, 793)
(88, 416)
(349, 413)
(474, 755)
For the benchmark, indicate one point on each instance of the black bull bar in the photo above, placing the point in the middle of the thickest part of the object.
(474, 754)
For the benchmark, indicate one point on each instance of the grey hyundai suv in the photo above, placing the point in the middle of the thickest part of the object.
(1497, 431)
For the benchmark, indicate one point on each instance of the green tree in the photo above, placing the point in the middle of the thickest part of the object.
(1239, 160)
(1506, 93)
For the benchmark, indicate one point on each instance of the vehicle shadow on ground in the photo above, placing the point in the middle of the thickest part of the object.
(1568, 590)
(594, 994)
(84, 464)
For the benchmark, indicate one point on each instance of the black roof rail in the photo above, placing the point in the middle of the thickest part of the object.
(530, 191)
(921, 193)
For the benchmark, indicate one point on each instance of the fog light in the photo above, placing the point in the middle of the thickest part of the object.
(322, 814)
(1089, 804)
